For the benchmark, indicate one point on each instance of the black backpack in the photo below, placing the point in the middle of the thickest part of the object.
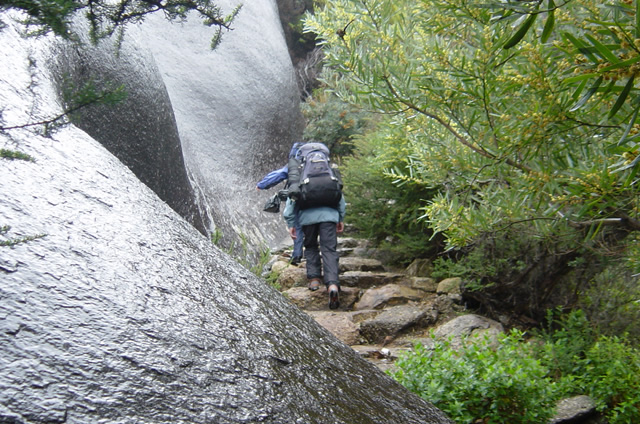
(313, 182)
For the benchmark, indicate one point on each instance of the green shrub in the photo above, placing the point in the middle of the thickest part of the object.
(610, 373)
(605, 368)
(566, 340)
(611, 298)
(499, 384)
(381, 210)
(333, 122)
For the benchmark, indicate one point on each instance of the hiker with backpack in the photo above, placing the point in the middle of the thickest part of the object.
(315, 197)
(274, 178)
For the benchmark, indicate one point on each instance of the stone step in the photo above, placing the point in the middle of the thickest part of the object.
(369, 279)
(354, 272)
(381, 312)
(390, 295)
(318, 300)
(375, 327)
(356, 263)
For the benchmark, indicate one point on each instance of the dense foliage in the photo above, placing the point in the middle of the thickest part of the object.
(380, 211)
(505, 384)
(519, 381)
(333, 122)
(519, 118)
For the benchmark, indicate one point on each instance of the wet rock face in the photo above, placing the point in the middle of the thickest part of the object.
(141, 130)
(125, 313)
(199, 127)
(236, 108)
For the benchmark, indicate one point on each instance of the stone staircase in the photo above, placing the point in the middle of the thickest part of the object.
(382, 312)
(385, 312)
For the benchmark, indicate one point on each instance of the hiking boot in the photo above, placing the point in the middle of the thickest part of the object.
(314, 284)
(296, 260)
(334, 296)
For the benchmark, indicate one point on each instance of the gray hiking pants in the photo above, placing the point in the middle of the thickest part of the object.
(326, 232)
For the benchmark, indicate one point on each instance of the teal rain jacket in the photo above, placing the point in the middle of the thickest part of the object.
(314, 215)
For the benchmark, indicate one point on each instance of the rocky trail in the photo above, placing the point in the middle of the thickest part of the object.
(382, 312)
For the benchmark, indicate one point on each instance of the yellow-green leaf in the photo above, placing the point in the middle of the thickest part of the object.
(604, 51)
(582, 47)
(521, 32)
(629, 126)
(550, 22)
(622, 97)
(588, 94)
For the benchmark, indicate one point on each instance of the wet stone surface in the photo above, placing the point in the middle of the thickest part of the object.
(125, 313)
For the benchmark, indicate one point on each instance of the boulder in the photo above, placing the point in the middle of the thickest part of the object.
(467, 326)
(392, 321)
(420, 268)
(388, 295)
(450, 286)
(573, 410)
(115, 309)
(426, 284)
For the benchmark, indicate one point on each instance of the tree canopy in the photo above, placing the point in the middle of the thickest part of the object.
(521, 114)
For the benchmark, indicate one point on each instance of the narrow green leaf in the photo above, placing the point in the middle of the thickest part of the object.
(587, 95)
(576, 94)
(637, 19)
(625, 167)
(550, 22)
(622, 97)
(622, 64)
(602, 23)
(609, 88)
(629, 126)
(582, 47)
(521, 32)
(604, 51)
(629, 181)
(579, 78)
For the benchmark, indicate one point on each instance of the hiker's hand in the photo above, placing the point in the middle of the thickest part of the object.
(339, 227)
(292, 233)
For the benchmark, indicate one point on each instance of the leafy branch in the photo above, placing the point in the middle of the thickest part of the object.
(12, 242)
(76, 99)
(107, 17)
(452, 130)
(14, 154)
(605, 53)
